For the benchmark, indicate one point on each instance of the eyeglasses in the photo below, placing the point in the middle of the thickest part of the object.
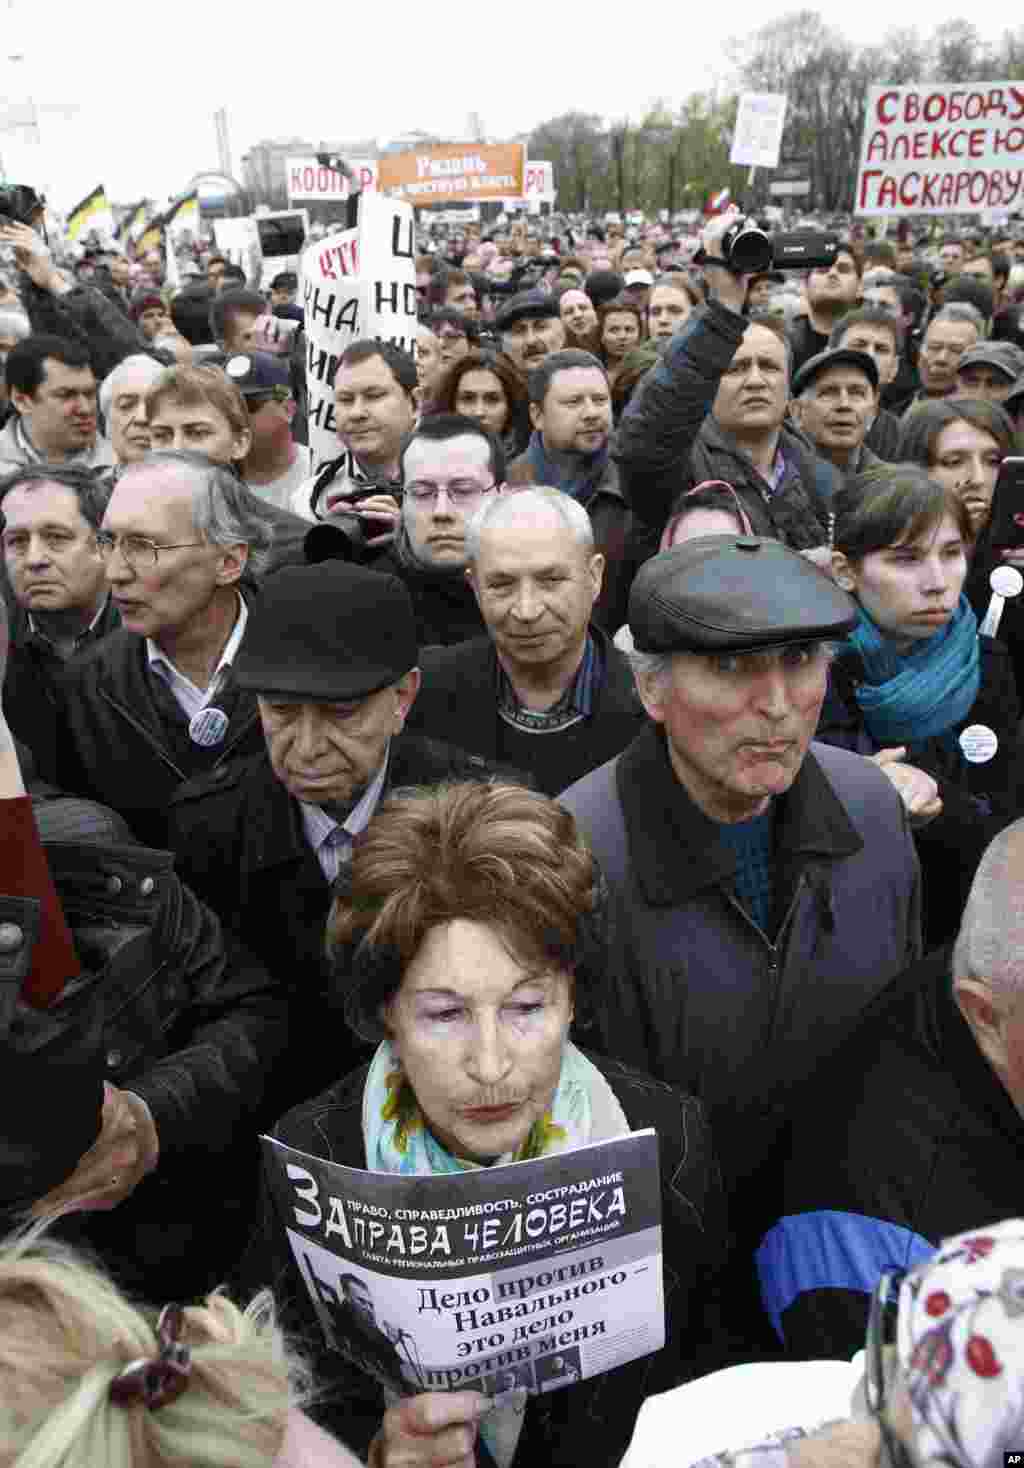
(460, 491)
(136, 549)
(882, 1317)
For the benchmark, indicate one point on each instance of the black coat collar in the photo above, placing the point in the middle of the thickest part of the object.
(675, 850)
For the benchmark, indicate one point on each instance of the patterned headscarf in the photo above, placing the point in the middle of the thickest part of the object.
(961, 1347)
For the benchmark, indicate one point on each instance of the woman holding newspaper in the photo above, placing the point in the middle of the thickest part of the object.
(466, 937)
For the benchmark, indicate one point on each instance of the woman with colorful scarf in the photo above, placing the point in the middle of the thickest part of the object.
(915, 686)
(467, 935)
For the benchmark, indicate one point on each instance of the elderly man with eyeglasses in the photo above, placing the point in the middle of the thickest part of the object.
(156, 703)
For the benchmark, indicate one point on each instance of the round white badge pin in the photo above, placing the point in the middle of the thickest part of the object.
(1006, 581)
(979, 743)
(208, 727)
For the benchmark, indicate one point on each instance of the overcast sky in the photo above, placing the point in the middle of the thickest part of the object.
(146, 83)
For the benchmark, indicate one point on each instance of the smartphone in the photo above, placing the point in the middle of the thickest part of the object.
(1006, 530)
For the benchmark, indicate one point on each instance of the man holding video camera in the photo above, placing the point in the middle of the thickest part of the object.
(714, 407)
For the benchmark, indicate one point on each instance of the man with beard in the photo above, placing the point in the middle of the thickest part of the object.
(829, 294)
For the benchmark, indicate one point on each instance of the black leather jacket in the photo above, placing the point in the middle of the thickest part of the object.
(188, 1020)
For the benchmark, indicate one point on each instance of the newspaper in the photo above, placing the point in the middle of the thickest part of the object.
(532, 1275)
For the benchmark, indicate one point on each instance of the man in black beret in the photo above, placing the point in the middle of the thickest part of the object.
(530, 327)
(331, 655)
(767, 887)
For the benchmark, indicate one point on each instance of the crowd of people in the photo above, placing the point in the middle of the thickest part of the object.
(622, 732)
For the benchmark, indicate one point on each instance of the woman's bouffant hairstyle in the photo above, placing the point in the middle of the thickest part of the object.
(486, 852)
(923, 423)
(66, 1331)
(890, 503)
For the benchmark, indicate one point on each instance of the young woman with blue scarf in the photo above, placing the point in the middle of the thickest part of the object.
(914, 686)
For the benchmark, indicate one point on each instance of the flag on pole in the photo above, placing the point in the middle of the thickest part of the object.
(152, 236)
(183, 214)
(134, 222)
(718, 203)
(92, 213)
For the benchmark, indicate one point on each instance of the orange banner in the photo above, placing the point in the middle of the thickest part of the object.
(467, 172)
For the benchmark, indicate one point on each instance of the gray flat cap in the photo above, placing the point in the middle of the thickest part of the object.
(734, 593)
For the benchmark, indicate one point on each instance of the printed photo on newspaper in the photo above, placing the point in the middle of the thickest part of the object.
(532, 1275)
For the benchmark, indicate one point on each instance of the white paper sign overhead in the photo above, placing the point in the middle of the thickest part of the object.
(942, 149)
(356, 284)
(757, 138)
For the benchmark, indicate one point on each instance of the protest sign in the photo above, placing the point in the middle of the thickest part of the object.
(356, 284)
(534, 1274)
(938, 149)
(462, 173)
(540, 180)
(308, 179)
(757, 136)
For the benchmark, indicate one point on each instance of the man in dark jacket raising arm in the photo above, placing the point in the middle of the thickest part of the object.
(714, 407)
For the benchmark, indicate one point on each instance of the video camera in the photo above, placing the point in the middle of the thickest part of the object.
(749, 250)
(19, 204)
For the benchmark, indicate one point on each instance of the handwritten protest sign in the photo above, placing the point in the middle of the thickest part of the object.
(464, 173)
(954, 149)
(356, 284)
(535, 1274)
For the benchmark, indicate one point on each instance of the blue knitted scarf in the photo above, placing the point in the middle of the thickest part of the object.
(912, 696)
(580, 482)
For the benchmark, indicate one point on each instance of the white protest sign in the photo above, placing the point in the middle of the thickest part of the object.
(539, 180)
(308, 179)
(938, 149)
(757, 137)
(357, 284)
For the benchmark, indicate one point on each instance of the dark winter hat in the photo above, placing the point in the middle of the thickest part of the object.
(602, 286)
(328, 632)
(734, 593)
(1005, 357)
(145, 299)
(257, 374)
(838, 357)
(526, 304)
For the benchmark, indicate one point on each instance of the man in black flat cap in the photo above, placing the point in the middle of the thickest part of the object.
(766, 887)
(331, 655)
(530, 327)
(835, 400)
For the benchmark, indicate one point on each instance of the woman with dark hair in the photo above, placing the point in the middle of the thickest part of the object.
(467, 934)
(914, 686)
(621, 326)
(962, 442)
(487, 386)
